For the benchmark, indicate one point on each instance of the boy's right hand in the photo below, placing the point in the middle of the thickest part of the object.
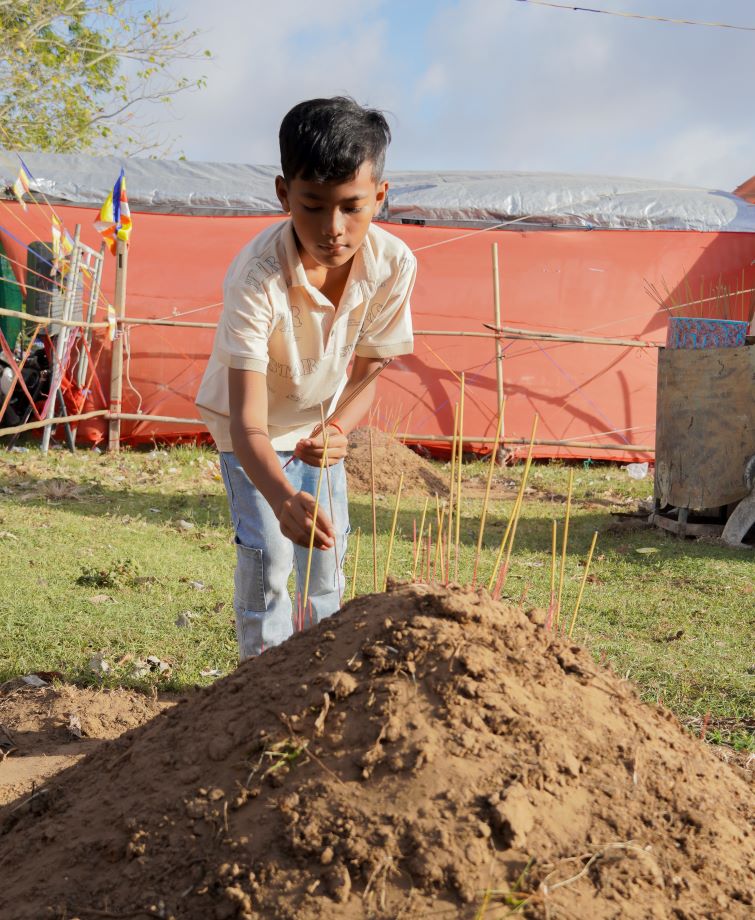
(295, 516)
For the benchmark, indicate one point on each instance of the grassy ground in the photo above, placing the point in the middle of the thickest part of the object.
(131, 557)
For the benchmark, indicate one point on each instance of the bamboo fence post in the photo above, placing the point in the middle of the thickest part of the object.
(563, 547)
(584, 582)
(116, 368)
(497, 320)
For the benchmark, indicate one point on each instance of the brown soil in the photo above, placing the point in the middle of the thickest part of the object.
(43, 730)
(419, 749)
(391, 459)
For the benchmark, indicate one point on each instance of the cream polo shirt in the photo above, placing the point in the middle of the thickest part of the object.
(275, 322)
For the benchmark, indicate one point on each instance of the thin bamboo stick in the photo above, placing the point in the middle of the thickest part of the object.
(186, 324)
(323, 461)
(451, 489)
(374, 517)
(429, 548)
(485, 501)
(563, 547)
(514, 511)
(584, 582)
(517, 513)
(510, 332)
(418, 551)
(459, 458)
(61, 420)
(439, 544)
(356, 564)
(393, 531)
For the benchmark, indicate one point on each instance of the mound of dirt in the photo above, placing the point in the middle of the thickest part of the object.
(391, 459)
(424, 752)
(45, 729)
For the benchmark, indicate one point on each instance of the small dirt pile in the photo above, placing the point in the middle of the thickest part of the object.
(391, 459)
(421, 752)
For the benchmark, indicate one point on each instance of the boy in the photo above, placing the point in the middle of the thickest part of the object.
(300, 300)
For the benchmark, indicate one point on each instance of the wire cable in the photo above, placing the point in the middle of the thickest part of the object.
(627, 15)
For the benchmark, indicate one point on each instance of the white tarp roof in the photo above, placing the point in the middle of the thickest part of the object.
(447, 198)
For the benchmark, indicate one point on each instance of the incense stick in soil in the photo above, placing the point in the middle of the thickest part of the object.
(515, 509)
(332, 515)
(393, 531)
(552, 599)
(356, 564)
(459, 458)
(418, 548)
(451, 489)
(374, 517)
(323, 461)
(584, 582)
(564, 543)
(487, 498)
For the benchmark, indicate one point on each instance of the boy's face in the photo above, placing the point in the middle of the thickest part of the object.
(331, 219)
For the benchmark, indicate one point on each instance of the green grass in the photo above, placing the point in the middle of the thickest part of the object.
(96, 559)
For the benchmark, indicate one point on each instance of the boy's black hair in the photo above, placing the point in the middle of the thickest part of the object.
(327, 140)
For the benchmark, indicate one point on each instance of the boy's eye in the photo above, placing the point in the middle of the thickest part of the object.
(352, 210)
(311, 207)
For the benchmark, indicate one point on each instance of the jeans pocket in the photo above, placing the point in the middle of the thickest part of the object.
(249, 580)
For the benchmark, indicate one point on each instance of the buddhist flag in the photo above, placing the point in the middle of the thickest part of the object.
(22, 184)
(115, 217)
(62, 245)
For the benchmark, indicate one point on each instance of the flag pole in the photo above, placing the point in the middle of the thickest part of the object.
(116, 367)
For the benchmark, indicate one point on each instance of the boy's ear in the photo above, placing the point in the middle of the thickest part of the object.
(381, 193)
(281, 190)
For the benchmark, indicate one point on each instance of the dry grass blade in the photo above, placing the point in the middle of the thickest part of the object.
(418, 546)
(393, 531)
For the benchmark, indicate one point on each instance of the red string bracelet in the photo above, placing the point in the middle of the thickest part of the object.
(333, 424)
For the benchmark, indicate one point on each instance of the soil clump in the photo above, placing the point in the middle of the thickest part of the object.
(424, 752)
(391, 459)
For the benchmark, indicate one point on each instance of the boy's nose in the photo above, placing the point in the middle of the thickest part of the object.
(333, 225)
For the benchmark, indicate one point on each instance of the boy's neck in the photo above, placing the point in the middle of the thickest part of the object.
(330, 282)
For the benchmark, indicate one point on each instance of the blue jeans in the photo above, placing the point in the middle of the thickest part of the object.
(264, 557)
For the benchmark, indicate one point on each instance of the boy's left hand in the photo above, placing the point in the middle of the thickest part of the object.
(310, 449)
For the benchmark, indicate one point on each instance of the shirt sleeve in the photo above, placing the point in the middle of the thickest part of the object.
(387, 329)
(245, 327)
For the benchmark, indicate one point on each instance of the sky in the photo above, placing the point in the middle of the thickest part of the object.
(484, 84)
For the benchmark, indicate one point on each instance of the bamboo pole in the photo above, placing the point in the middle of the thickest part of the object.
(393, 531)
(483, 439)
(584, 582)
(374, 516)
(356, 564)
(497, 321)
(563, 547)
(61, 420)
(459, 459)
(116, 369)
(487, 497)
(185, 324)
(512, 332)
(49, 321)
